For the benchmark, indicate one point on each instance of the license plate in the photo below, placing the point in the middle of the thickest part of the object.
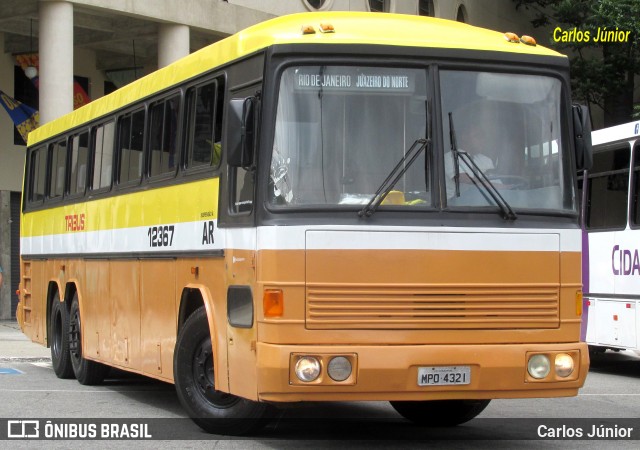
(444, 375)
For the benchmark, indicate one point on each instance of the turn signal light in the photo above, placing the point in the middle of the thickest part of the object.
(578, 303)
(273, 303)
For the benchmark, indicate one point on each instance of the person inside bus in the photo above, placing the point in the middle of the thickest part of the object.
(469, 140)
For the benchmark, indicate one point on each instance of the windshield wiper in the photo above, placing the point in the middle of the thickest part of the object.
(398, 171)
(507, 212)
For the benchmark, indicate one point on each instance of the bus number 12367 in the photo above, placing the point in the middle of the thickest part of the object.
(161, 236)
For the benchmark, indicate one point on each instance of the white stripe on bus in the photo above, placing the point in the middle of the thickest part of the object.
(194, 236)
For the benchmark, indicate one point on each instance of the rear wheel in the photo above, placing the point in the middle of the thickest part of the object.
(87, 372)
(440, 413)
(59, 339)
(214, 411)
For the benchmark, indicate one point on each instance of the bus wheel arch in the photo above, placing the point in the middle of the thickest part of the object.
(70, 291)
(194, 376)
(193, 298)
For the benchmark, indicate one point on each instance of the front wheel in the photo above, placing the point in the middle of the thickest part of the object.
(87, 372)
(214, 411)
(440, 413)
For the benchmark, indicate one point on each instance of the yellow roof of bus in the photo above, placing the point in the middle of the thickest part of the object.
(350, 28)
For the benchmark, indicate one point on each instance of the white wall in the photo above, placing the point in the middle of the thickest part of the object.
(283, 7)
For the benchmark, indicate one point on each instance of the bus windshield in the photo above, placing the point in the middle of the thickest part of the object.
(340, 131)
(510, 125)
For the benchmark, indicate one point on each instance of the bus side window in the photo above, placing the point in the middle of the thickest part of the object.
(163, 130)
(608, 187)
(635, 206)
(103, 140)
(78, 167)
(38, 174)
(204, 124)
(130, 146)
(57, 169)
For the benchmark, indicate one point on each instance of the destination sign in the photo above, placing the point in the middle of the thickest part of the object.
(355, 79)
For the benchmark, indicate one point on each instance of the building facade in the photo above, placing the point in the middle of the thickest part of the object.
(78, 50)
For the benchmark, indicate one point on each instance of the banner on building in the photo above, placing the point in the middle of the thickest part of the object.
(25, 118)
(80, 97)
(25, 60)
(30, 60)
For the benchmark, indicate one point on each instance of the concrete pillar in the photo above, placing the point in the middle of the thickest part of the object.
(56, 59)
(173, 43)
(5, 254)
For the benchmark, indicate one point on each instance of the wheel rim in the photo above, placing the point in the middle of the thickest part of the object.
(203, 375)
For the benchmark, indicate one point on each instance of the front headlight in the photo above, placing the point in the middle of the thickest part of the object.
(308, 369)
(539, 366)
(564, 365)
(339, 368)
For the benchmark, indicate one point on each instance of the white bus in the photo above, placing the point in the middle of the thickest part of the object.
(611, 242)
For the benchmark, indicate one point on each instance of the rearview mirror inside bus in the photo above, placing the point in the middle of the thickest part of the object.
(240, 137)
(582, 137)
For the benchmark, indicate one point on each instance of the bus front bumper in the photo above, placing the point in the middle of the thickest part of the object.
(401, 372)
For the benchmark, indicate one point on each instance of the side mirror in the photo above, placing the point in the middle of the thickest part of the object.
(582, 137)
(241, 131)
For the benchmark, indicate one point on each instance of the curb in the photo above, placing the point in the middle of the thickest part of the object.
(20, 359)
(10, 324)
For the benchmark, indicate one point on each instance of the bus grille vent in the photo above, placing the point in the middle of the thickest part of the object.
(432, 307)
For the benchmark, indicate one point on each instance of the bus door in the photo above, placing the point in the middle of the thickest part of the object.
(237, 216)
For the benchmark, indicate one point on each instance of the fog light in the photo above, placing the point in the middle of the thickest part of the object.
(339, 368)
(564, 365)
(539, 366)
(308, 368)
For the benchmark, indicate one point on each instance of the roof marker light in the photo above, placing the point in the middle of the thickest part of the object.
(308, 29)
(512, 37)
(528, 40)
(327, 28)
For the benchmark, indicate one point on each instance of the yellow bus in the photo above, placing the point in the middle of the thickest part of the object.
(323, 207)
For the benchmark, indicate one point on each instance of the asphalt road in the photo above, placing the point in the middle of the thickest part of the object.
(29, 390)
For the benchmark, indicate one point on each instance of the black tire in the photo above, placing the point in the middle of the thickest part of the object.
(87, 372)
(59, 339)
(214, 411)
(440, 413)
